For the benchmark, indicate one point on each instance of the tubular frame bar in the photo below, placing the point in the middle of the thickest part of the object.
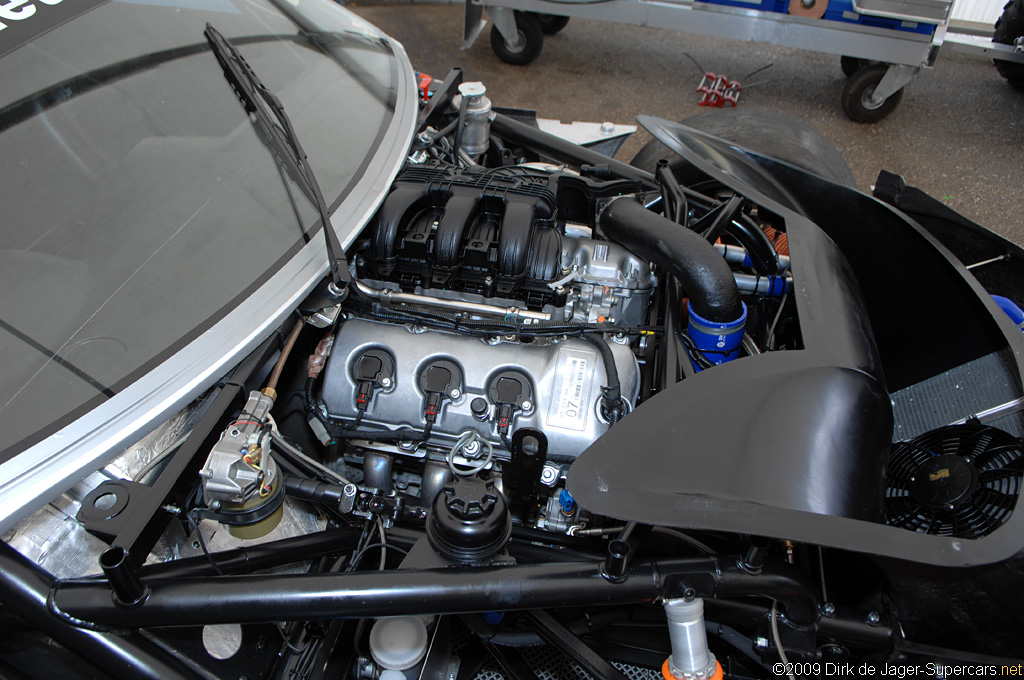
(25, 588)
(452, 590)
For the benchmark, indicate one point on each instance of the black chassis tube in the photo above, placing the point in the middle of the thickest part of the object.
(252, 558)
(252, 599)
(705, 275)
(557, 148)
(25, 587)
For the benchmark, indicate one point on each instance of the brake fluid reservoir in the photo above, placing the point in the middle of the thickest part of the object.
(398, 643)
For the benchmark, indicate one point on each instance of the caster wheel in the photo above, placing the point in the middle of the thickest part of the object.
(551, 23)
(851, 65)
(858, 100)
(528, 45)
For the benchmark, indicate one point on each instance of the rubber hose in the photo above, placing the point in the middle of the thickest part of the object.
(763, 255)
(612, 393)
(705, 275)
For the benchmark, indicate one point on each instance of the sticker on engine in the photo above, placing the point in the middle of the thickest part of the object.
(571, 402)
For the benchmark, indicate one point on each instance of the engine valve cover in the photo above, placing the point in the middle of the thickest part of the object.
(561, 398)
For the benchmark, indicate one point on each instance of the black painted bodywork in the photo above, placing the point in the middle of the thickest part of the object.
(793, 444)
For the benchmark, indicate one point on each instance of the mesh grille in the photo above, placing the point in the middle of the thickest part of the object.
(548, 668)
(550, 664)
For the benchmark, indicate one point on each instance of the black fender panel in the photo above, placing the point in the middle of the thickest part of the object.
(744, 447)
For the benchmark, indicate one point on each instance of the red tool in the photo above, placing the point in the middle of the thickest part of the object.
(718, 90)
(424, 86)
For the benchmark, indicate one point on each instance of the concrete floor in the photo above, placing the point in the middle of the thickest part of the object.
(958, 133)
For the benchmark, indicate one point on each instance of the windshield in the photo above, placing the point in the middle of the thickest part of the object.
(140, 201)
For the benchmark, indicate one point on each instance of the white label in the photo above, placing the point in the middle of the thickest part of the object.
(571, 404)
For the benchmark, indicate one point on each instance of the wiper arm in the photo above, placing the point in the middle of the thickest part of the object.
(279, 135)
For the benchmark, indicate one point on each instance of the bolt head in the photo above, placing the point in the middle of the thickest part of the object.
(385, 382)
(455, 394)
(761, 642)
(874, 618)
(527, 405)
(828, 609)
(607, 128)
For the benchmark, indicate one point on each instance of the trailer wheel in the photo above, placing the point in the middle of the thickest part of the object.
(1009, 27)
(851, 65)
(527, 47)
(857, 100)
(551, 23)
(763, 132)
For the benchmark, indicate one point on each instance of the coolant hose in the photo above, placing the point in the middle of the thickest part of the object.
(760, 249)
(705, 275)
(612, 398)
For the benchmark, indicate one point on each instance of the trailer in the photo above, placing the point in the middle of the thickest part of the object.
(883, 44)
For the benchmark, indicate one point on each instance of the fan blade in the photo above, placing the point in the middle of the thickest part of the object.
(917, 453)
(974, 443)
(970, 522)
(986, 497)
(986, 457)
(901, 483)
(989, 476)
(900, 514)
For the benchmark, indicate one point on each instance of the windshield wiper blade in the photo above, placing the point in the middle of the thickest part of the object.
(280, 137)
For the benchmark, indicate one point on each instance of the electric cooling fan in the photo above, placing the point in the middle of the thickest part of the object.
(960, 480)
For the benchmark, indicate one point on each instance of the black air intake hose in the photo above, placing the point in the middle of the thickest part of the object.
(704, 273)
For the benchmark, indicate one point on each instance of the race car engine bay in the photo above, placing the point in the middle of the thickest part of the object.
(543, 400)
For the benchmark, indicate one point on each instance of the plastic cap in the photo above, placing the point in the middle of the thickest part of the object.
(398, 643)
(472, 89)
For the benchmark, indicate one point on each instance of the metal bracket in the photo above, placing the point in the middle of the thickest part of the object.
(894, 79)
(505, 21)
(473, 24)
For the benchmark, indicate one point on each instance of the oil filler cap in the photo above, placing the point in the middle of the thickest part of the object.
(469, 520)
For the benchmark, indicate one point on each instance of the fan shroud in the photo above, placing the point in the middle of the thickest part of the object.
(961, 481)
